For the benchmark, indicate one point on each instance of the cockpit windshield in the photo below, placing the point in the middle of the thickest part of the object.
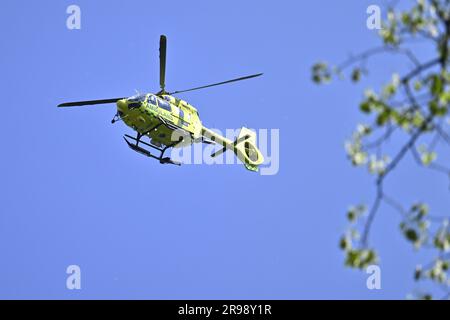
(152, 100)
(137, 98)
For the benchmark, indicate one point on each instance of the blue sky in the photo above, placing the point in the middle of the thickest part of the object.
(73, 193)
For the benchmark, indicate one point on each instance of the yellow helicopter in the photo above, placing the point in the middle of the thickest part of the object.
(170, 122)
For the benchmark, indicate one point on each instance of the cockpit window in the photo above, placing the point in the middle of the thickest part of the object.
(137, 98)
(164, 104)
(180, 113)
(152, 99)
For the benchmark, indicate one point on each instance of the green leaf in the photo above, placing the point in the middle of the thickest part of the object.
(382, 118)
(321, 73)
(351, 216)
(406, 18)
(436, 109)
(365, 107)
(344, 243)
(445, 98)
(417, 85)
(360, 259)
(428, 158)
(418, 120)
(356, 75)
(418, 273)
(355, 212)
(436, 85)
(411, 235)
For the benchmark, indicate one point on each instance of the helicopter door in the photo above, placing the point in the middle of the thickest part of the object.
(180, 115)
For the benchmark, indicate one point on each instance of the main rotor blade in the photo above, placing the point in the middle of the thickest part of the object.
(219, 83)
(162, 61)
(89, 102)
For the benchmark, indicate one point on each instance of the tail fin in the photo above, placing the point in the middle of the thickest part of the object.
(244, 147)
(246, 150)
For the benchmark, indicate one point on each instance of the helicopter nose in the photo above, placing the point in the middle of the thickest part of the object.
(122, 105)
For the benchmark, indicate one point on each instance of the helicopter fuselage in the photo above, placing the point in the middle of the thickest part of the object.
(163, 118)
(170, 122)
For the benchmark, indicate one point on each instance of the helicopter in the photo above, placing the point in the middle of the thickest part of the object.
(169, 122)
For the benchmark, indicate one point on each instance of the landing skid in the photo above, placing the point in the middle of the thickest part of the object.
(135, 146)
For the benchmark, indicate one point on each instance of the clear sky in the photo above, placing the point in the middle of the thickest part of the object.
(73, 193)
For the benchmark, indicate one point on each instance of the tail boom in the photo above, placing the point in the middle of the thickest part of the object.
(244, 147)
